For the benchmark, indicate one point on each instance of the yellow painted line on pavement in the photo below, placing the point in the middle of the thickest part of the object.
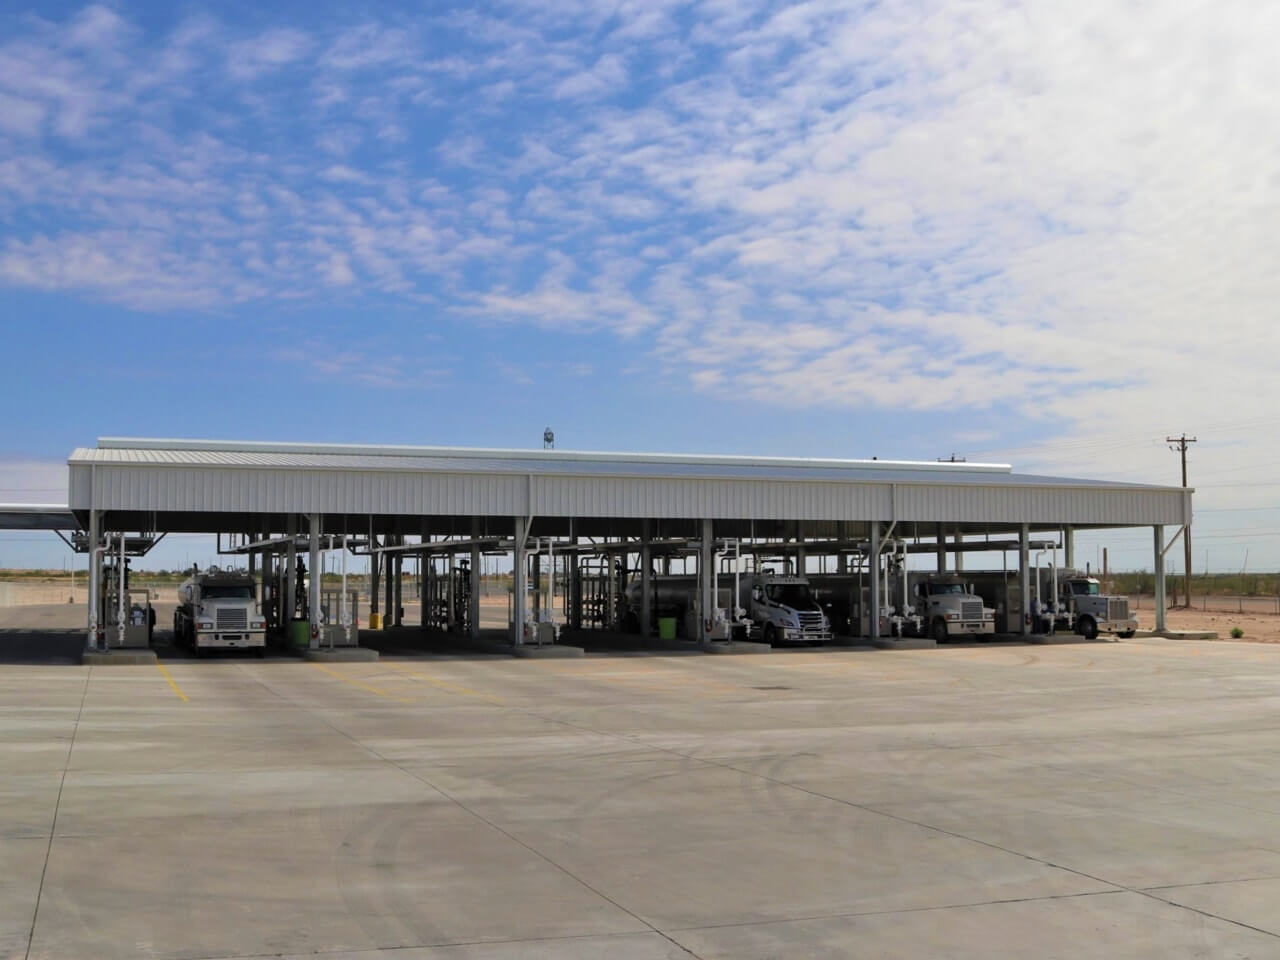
(360, 683)
(172, 682)
(444, 684)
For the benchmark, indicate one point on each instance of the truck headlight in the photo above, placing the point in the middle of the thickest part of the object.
(989, 615)
(953, 616)
(205, 624)
(256, 624)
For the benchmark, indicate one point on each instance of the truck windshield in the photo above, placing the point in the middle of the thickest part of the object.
(1082, 588)
(790, 594)
(227, 593)
(937, 588)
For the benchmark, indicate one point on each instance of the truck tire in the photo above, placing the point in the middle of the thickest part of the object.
(1125, 635)
(938, 630)
(1088, 628)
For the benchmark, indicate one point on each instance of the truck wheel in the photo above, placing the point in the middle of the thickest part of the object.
(1088, 628)
(939, 631)
(1126, 635)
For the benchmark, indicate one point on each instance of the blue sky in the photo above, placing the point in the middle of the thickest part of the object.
(1005, 230)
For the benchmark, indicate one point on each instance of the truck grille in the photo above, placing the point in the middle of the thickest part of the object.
(811, 625)
(1118, 608)
(233, 619)
(971, 610)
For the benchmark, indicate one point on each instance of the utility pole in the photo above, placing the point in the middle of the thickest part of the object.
(1179, 445)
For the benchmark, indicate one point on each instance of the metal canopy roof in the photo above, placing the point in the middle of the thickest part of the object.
(37, 516)
(247, 478)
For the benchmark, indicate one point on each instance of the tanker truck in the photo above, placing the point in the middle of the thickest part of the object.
(1077, 606)
(771, 608)
(677, 597)
(216, 611)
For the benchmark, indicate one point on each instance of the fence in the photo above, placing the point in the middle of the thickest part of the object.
(1217, 604)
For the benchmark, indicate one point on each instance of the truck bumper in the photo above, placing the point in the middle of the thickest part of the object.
(1118, 626)
(970, 628)
(801, 635)
(214, 640)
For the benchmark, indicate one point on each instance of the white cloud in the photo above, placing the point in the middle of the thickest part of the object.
(96, 27)
(339, 273)
(605, 76)
(268, 51)
(368, 45)
(20, 116)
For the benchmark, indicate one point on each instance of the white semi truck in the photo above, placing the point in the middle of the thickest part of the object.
(1061, 601)
(1091, 611)
(783, 609)
(217, 611)
(948, 607)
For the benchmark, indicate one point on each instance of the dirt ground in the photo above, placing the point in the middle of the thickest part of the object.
(1257, 627)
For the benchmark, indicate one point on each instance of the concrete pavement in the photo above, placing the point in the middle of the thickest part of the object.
(1081, 801)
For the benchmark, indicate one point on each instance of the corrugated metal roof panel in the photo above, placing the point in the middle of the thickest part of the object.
(405, 482)
(583, 465)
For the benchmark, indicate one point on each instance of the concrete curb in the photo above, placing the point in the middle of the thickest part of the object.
(118, 658)
(548, 651)
(342, 655)
(734, 646)
(1045, 638)
(904, 643)
(1179, 634)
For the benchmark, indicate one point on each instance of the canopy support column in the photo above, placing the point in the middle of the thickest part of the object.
(1024, 576)
(95, 577)
(1161, 586)
(517, 582)
(873, 572)
(313, 595)
(646, 584)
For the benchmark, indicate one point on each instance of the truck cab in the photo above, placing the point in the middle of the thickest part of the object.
(950, 608)
(782, 609)
(1094, 612)
(218, 610)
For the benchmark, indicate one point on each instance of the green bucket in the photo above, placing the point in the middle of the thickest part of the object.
(299, 634)
(666, 628)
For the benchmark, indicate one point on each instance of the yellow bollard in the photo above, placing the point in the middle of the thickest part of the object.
(375, 621)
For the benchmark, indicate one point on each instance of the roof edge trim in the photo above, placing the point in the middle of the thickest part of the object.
(562, 456)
